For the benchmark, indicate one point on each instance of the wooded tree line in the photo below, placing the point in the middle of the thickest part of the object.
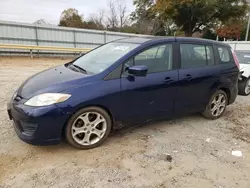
(207, 18)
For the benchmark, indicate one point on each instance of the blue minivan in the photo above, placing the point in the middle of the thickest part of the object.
(124, 82)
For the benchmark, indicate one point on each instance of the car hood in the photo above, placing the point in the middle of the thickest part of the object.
(244, 66)
(52, 80)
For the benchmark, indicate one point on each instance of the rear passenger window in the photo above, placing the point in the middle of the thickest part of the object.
(193, 55)
(224, 55)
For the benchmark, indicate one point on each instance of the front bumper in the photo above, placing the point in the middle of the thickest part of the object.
(37, 125)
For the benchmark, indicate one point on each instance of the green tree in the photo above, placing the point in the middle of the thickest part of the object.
(209, 34)
(71, 18)
(92, 25)
(146, 19)
(195, 15)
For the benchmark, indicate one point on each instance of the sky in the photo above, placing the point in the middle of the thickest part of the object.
(28, 11)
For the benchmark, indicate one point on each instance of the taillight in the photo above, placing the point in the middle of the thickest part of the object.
(236, 60)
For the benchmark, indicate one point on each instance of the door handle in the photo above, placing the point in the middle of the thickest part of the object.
(187, 77)
(168, 80)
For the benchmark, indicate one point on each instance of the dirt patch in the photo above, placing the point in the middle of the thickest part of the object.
(138, 156)
(240, 123)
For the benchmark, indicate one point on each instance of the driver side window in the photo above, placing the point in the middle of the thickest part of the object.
(157, 58)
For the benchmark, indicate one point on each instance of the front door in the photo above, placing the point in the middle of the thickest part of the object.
(152, 96)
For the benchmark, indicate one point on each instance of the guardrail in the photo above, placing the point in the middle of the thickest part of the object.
(31, 48)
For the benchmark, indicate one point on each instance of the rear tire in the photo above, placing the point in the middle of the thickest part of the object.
(88, 128)
(244, 87)
(216, 105)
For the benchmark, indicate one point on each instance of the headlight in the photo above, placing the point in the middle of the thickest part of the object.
(47, 99)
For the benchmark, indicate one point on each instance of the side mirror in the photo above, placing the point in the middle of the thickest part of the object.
(139, 70)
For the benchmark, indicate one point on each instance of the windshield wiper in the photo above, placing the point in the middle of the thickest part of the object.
(78, 68)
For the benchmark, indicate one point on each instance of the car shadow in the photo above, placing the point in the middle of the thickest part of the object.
(123, 132)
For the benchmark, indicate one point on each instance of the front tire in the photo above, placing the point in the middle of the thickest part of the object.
(244, 87)
(216, 105)
(88, 128)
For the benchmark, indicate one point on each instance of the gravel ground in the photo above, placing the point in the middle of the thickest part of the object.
(132, 157)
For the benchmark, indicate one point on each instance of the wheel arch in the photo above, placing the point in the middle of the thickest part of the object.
(227, 91)
(86, 106)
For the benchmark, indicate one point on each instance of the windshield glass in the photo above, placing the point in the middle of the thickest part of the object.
(101, 58)
(244, 57)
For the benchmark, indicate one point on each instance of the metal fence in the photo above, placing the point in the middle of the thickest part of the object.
(40, 35)
(239, 45)
(30, 34)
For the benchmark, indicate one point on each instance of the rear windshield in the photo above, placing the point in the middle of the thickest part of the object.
(244, 57)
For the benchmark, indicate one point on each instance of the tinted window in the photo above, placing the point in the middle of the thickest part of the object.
(157, 59)
(224, 54)
(195, 55)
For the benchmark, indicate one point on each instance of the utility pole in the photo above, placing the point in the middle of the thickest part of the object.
(248, 25)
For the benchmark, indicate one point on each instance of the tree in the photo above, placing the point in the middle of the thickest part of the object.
(195, 15)
(41, 22)
(117, 15)
(209, 34)
(146, 19)
(91, 25)
(234, 28)
(232, 31)
(71, 18)
(98, 19)
(122, 14)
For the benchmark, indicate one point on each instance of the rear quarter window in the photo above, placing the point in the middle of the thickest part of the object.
(225, 55)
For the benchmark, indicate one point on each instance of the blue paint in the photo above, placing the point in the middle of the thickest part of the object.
(128, 98)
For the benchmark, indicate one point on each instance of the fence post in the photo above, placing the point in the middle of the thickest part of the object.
(36, 35)
(235, 45)
(37, 42)
(105, 37)
(31, 53)
(74, 33)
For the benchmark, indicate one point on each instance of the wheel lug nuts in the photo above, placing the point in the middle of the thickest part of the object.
(88, 132)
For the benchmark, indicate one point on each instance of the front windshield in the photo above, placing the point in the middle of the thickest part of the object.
(101, 58)
(244, 57)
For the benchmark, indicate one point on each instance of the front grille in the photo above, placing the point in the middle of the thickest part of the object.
(25, 128)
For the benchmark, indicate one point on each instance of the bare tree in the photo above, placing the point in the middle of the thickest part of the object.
(112, 17)
(98, 18)
(117, 15)
(122, 10)
(41, 22)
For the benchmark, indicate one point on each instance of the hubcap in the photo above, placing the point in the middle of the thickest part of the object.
(218, 105)
(89, 128)
(247, 89)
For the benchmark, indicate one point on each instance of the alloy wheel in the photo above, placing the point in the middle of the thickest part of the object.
(89, 128)
(218, 105)
(247, 88)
